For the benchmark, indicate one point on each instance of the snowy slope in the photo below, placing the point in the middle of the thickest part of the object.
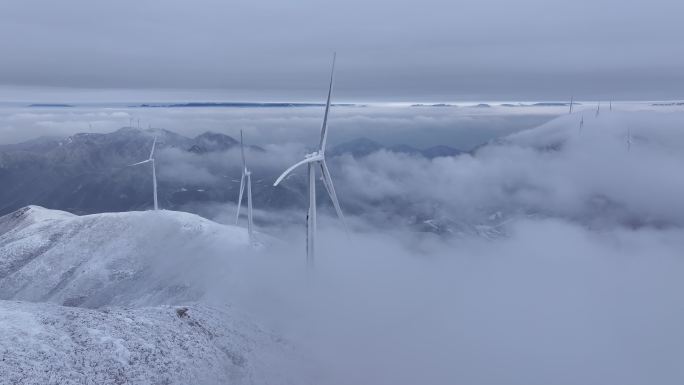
(93, 300)
(107, 259)
(47, 344)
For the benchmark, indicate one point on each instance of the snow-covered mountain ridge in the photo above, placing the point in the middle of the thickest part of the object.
(117, 298)
(106, 259)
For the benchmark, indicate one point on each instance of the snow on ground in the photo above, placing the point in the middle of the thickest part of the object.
(127, 259)
(45, 344)
(108, 292)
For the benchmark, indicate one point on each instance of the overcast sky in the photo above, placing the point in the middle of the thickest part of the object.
(387, 50)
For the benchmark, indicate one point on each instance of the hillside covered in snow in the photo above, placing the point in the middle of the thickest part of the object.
(112, 299)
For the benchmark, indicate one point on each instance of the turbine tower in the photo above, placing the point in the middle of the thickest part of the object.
(313, 160)
(154, 172)
(245, 174)
(572, 100)
(629, 139)
(598, 109)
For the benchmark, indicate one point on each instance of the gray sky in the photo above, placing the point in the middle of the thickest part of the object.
(388, 50)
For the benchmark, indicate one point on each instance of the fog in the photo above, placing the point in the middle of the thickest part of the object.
(580, 286)
(551, 303)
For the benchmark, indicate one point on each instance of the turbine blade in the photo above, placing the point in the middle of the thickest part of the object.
(154, 143)
(143, 162)
(250, 223)
(311, 219)
(242, 149)
(327, 181)
(154, 185)
(289, 170)
(324, 127)
(242, 189)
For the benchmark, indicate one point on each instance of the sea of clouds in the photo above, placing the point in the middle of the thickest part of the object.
(579, 285)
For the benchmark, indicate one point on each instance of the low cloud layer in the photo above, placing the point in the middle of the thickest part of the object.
(581, 289)
(558, 170)
(551, 302)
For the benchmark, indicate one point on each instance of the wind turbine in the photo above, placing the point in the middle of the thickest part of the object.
(245, 174)
(154, 173)
(611, 105)
(313, 160)
(629, 139)
(581, 123)
(572, 99)
(598, 109)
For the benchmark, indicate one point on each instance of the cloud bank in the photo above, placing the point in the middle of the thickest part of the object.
(580, 288)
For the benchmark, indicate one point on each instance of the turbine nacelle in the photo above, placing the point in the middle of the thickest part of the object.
(315, 156)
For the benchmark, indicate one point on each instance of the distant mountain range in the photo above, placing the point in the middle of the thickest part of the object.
(205, 104)
(668, 104)
(239, 105)
(55, 105)
(87, 173)
(487, 105)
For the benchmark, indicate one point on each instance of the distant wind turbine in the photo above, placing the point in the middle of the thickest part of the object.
(317, 158)
(598, 109)
(611, 106)
(629, 139)
(245, 174)
(581, 123)
(154, 172)
(571, 103)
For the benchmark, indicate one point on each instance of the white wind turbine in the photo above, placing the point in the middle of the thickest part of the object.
(245, 174)
(313, 160)
(154, 172)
